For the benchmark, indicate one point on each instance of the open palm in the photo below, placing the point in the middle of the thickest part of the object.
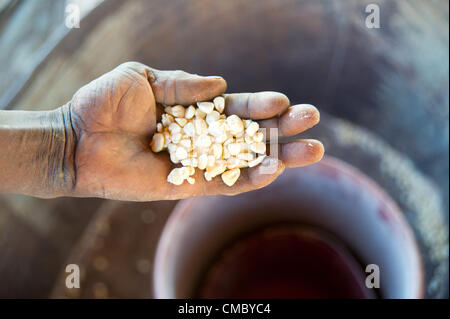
(115, 116)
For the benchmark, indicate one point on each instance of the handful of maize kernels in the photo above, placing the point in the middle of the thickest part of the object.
(204, 138)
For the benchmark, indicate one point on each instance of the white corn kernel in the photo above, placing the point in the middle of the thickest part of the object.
(217, 169)
(212, 117)
(159, 127)
(172, 147)
(258, 137)
(202, 150)
(175, 177)
(168, 110)
(189, 129)
(220, 139)
(231, 176)
(202, 161)
(178, 111)
(166, 139)
(203, 141)
(259, 148)
(234, 148)
(185, 172)
(186, 144)
(235, 124)
(190, 112)
(242, 164)
(211, 161)
(191, 180)
(208, 177)
(181, 121)
(226, 153)
(219, 103)
(176, 138)
(245, 148)
(186, 162)
(181, 153)
(252, 128)
(192, 162)
(200, 114)
(173, 158)
(216, 128)
(166, 119)
(246, 156)
(200, 126)
(256, 161)
(157, 142)
(233, 162)
(174, 128)
(205, 107)
(228, 141)
(217, 150)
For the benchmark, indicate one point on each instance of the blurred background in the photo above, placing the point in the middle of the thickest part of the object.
(382, 92)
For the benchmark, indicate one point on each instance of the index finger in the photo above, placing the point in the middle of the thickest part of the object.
(256, 106)
(178, 87)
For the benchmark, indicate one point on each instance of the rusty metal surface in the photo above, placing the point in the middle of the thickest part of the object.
(24, 45)
(116, 252)
(36, 237)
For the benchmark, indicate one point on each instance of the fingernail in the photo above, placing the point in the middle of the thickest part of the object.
(305, 112)
(308, 151)
(215, 77)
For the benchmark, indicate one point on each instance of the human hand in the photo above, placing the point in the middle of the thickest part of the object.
(115, 116)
